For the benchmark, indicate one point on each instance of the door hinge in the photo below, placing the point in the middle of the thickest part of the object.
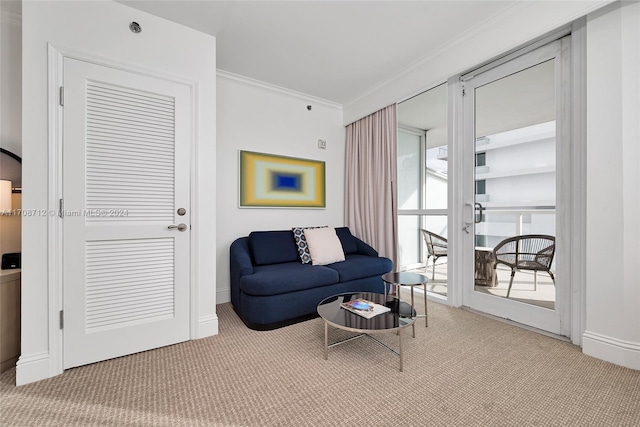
(61, 208)
(61, 319)
(62, 96)
(464, 92)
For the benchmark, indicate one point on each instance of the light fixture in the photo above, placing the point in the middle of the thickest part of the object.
(135, 27)
(5, 196)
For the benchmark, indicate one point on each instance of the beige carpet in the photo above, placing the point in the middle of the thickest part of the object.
(464, 370)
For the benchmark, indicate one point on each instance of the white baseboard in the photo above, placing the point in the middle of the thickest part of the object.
(207, 326)
(223, 296)
(614, 350)
(34, 367)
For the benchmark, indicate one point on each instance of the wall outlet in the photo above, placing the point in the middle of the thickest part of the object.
(322, 144)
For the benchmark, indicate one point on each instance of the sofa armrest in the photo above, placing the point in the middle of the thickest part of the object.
(240, 257)
(364, 248)
(239, 265)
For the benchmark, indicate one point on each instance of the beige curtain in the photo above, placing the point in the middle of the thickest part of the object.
(370, 178)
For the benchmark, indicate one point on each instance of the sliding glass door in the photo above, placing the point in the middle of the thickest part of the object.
(514, 195)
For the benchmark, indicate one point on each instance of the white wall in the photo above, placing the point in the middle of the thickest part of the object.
(613, 185)
(101, 29)
(254, 116)
(517, 25)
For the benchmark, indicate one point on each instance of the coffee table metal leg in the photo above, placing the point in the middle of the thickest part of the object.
(400, 340)
(326, 340)
(426, 321)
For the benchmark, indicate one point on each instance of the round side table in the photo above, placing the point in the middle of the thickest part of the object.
(412, 280)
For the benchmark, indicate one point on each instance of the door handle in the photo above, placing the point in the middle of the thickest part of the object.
(179, 227)
(480, 208)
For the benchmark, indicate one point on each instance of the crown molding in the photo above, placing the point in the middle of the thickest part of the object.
(271, 87)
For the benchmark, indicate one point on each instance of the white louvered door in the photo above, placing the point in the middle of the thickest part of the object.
(126, 172)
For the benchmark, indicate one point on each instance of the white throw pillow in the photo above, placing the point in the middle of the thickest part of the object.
(324, 245)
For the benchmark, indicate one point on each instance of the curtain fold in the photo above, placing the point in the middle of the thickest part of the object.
(371, 210)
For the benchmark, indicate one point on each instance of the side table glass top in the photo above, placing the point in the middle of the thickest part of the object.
(405, 279)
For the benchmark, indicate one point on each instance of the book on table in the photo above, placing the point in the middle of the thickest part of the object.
(364, 308)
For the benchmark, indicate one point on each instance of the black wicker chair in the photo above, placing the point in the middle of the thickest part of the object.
(532, 252)
(436, 248)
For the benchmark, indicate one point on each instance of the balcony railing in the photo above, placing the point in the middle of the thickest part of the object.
(496, 224)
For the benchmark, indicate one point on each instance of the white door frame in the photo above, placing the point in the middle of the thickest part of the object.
(54, 226)
(576, 233)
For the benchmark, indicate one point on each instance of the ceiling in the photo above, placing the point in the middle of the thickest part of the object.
(427, 112)
(334, 50)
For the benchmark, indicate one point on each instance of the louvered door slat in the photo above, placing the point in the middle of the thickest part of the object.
(127, 93)
(130, 122)
(107, 165)
(126, 287)
(99, 123)
(109, 97)
(116, 111)
(107, 136)
(129, 179)
(112, 146)
(130, 259)
(102, 158)
(119, 110)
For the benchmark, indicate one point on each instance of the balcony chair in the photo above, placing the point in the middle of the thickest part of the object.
(532, 252)
(436, 248)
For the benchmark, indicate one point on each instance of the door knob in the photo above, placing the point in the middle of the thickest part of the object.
(179, 227)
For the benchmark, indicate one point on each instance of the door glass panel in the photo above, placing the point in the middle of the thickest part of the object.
(436, 266)
(515, 186)
(409, 196)
(436, 177)
(409, 177)
(409, 240)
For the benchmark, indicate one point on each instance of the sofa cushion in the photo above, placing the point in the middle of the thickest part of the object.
(301, 243)
(357, 266)
(287, 277)
(324, 246)
(272, 247)
(347, 240)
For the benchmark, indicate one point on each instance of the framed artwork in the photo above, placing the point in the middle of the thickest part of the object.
(267, 180)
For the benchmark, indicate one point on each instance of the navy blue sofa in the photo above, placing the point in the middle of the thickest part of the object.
(271, 288)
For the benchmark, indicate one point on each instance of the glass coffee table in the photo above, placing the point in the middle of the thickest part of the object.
(399, 317)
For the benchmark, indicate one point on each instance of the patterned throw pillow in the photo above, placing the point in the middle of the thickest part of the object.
(301, 243)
